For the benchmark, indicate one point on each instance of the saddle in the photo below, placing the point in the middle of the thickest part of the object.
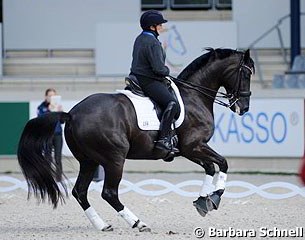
(132, 84)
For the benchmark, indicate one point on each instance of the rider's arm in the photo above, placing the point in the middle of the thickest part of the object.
(156, 59)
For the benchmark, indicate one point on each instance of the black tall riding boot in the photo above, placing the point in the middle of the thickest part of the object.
(164, 142)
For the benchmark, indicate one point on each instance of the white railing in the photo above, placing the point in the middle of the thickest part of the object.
(276, 28)
(290, 190)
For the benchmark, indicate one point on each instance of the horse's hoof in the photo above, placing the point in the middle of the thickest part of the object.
(144, 229)
(215, 200)
(109, 228)
(169, 159)
(203, 205)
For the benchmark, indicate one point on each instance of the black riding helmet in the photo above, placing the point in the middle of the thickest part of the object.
(151, 18)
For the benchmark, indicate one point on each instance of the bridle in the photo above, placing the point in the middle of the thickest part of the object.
(233, 96)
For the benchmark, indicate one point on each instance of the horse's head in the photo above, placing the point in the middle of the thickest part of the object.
(226, 68)
(237, 82)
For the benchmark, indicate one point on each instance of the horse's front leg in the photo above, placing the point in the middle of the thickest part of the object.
(210, 195)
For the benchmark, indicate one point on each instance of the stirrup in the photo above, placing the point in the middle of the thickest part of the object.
(164, 144)
(168, 150)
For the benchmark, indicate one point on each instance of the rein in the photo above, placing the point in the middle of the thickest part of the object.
(203, 90)
(232, 97)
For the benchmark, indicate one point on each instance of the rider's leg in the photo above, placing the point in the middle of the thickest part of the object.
(168, 116)
(159, 93)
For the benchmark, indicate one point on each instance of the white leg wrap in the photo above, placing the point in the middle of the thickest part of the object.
(130, 218)
(95, 219)
(221, 181)
(207, 186)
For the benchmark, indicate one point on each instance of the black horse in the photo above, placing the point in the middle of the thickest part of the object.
(102, 130)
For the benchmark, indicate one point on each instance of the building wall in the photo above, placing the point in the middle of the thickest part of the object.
(253, 18)
(49, 24)
(183, 41)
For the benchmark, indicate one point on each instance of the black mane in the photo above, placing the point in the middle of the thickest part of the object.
(218, 53)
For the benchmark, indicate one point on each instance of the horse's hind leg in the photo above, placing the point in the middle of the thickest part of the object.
(80, 192)
(113, 176)
(85, 176)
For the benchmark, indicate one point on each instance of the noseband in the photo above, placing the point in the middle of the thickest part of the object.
(233, 97)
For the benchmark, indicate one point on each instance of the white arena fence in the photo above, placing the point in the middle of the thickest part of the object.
(272, 190)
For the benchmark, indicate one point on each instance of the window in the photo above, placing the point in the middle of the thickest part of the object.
(153, 4)
(191, 4)
(223, 4)
(186, 4)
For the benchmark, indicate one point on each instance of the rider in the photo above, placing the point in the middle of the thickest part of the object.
(148, 65)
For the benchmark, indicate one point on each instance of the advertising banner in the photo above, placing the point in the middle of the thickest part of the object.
(14, 116)
(272, 128)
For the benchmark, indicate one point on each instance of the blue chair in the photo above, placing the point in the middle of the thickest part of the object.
(298, 65)
(301, 80)
(295, 76)
(291, 81)
(278, 81)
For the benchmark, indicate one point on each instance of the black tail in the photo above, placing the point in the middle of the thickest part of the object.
(37, 167)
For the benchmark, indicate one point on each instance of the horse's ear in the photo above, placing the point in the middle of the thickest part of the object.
(247, 55)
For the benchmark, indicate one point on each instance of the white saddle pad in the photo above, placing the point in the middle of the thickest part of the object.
(146, 113)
